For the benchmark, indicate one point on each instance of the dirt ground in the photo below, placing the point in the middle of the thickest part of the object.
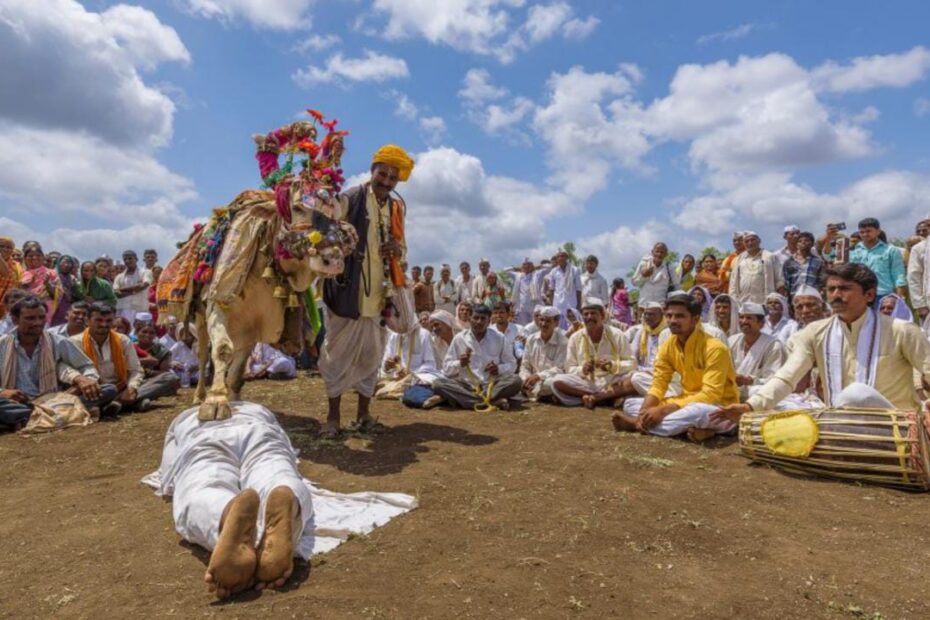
(539, 513)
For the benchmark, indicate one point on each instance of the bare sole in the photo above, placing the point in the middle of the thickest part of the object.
(232, 564)
(276, 551)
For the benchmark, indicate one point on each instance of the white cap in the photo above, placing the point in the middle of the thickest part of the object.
(592, 302)
(550, 312)
(144, 316)
(751, 308)
(806, 290)
(443, 316)
(792, 228)
(750, 233)
(653, 305)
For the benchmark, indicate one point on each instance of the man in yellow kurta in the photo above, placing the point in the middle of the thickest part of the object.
(354, 341)
(863, 358)
(708, 380)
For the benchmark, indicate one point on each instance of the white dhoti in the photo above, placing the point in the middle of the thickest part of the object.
(206, 464)
(695, 415)
(351, 355)
(853, 395)
(589, 386)
(642, 381)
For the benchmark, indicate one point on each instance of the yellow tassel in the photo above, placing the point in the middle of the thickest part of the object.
(268, 273)
(292, 301)
(280, 292)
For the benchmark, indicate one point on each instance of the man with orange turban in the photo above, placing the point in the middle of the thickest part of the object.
(354, 341)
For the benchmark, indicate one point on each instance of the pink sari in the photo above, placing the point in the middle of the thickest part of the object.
(44, 284)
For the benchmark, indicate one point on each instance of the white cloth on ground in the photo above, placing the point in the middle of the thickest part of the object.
(274, 362)
(205, 464)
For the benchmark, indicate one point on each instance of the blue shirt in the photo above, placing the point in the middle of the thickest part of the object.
(887, 263)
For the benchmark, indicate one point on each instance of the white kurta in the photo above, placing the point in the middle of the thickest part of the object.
(565, 285)
(493, 347)
(415, 351)
(612, 346)
(466, 290)
(525, 296)
(655, 286)
(760, 362)
(264, 356)
(511, 334)
(595, 285)
(754, 277)
(206, 464)
(446, 295)
(783, 331)
(546, 359)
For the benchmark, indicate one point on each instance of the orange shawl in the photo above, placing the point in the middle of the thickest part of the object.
(397, 231)
(116, 356)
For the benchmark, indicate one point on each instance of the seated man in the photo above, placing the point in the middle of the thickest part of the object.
(183, 358)
(756, 355)
(442, 330)
(77, 321)
(778, 324)
(408, 360)
(808, 307)
(479, 369)
(862, 357)
(154, 357)
(708, 380)
(266, 362)
(598, 355)
(544, 357)
(34, 362)
(645, 340)
(114, 356)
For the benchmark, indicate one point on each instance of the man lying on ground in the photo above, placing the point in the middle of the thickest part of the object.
(708, 380)
(34, 362)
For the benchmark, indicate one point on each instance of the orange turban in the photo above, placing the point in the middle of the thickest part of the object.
(395, 156)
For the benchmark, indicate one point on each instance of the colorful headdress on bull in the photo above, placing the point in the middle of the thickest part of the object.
(310, 166)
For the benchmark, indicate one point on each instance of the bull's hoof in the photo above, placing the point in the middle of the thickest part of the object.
(214, 408)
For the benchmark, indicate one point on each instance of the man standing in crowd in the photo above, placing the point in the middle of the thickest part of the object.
(654, 277)
(479, 369)
(131, 288)
(565, 285)
(708, 380)
(756, 355)
(446, 291)
(917, 279)
(480, 281)
(883, 259)
(466, 284)
(803, 267)
(354, 342)
(756, 273)
(526, 294)
(726, 266)
(598, 356)
(150, 259)
(791, 244)
(846, 351)
(34, 362)
(423, 292)
(593, 284)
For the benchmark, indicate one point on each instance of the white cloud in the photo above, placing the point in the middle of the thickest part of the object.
(733, 34)
(433, 128)
(86, 63)
(372, 67)
(921, 107)
(868, 72)
(318, 43)
(265, 14)
(405, 109)
(580, 29)
(477, 87)
(500, 118)
(480, 26)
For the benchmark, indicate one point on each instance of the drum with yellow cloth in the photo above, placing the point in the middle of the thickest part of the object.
(879, 446)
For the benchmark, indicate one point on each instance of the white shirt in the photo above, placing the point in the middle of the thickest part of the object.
(565, 285)
(546, 359)
(655, 286)
(513, 331)
(137, 301)
(595, 285)
(448, 289)
(415, 351)
(493, 347)
(466, 289)
(526, 293)
(613, 346)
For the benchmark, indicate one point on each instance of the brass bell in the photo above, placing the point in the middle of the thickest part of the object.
(268, 273)
(292, 301)
(280, 292)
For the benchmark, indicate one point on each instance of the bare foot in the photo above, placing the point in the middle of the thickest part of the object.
(432, 401)
(330, 430)
(589, 401)
(624, 422)
(276, 551)
(232, 564)
(502, 405)
(700, 435)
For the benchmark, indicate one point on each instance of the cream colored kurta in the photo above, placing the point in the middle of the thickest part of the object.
(546, 359)
(372, 304)
(903, 349)
(613, 346)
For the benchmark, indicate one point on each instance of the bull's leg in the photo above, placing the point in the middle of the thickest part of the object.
(234, 380)
(203, 356)
(216, 405)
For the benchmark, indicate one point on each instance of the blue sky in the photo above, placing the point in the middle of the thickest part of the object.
(609, 124)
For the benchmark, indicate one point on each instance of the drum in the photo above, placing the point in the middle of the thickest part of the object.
(879, 446)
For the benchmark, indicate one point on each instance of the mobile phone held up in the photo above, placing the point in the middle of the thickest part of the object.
(839, 226)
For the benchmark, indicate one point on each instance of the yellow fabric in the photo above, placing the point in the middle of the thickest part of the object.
(644, 333)
(790, 433)
(372, 304)
(706, 369)
(393, 155)
(903, 349)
